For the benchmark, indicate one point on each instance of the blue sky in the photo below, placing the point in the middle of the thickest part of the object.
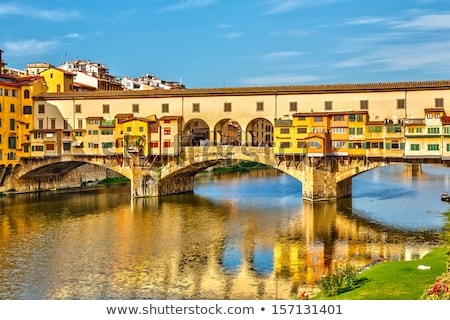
(236, 43)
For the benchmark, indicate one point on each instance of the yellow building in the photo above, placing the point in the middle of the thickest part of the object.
(99, 136)
(29, 87)
(339, 134)
(141, 135)
(58, 80)
(284, 137)
(318, 141)
(119, 119)
(16, 116)
(9, 119)
(375, 138)
(78, 137)
(322, 133)
(394, 142)
(356, 132)
(45, 143)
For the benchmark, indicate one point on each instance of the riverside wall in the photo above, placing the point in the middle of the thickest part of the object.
(81, 176)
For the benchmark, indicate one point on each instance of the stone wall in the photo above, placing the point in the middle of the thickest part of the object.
(81, 176)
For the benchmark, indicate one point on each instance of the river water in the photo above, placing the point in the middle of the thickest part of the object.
(238, 236)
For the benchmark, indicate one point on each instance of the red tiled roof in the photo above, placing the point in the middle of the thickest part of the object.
(278, 90)
(434, 109)
(138, 119)
(124, 115)
(60, 70)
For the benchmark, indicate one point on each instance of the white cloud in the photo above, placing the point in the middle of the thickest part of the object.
(431, 56)
(73, 36)
(421, 22)
(280, 55)
(34, 12)
(31, 47)
(188, 4)
(428, 22)
(282, 6)
(278, 79)
(368, 20)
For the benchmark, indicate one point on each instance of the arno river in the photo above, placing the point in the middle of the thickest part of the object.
(238, 236)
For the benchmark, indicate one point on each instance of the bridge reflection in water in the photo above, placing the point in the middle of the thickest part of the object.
(221, 243)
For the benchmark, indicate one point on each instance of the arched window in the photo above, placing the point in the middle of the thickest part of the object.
(26, 94)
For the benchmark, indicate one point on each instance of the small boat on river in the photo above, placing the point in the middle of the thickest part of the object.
(445, 197)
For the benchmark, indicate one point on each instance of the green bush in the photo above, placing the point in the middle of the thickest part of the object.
(343, 278)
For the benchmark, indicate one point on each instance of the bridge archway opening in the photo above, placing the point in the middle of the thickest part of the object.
(228, 132)
(259, 132)
(5, 170)
(196, 133)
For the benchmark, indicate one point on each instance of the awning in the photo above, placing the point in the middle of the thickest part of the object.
(77, 143)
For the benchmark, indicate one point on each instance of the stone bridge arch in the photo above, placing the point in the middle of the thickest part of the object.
(322, 178)
(60, 173)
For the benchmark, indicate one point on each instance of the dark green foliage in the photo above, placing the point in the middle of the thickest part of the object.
(342, 279)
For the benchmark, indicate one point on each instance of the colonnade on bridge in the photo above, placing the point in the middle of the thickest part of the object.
(92, 127)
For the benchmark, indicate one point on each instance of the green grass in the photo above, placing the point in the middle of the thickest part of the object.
(241, 167)
(115, 180)
(396, 280)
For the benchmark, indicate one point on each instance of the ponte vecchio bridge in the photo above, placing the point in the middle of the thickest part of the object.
(168, 164)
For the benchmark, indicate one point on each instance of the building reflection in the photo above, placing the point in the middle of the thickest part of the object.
(190, 247)
(328, 235)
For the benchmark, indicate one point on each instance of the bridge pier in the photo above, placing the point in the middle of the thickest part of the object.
(413, 169)
(320, 183)
(148, 181)
(323, 178)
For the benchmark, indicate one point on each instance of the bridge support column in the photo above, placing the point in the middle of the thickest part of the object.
(320, 184)
(146, 182)
(413, 169)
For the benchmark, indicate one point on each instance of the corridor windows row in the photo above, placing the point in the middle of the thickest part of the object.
(259, 106)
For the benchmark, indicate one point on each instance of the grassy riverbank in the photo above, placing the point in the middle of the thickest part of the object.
(239, 167)
(396, 280)
(115, 180)
(399, 280)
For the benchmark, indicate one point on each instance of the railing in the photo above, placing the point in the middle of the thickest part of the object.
(413, 121)
(226, 150)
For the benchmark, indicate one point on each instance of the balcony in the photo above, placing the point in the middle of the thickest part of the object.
(283, 122)
(414, 122)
